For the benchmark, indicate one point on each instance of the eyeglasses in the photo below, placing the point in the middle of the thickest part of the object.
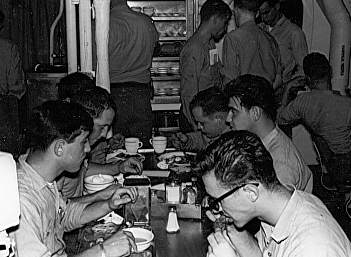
(213, 203)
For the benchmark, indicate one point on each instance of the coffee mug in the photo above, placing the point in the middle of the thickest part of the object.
(159, 144)
(132, 144)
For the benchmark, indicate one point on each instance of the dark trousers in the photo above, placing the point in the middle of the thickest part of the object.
(9, 125)
(134, 114)
(338, 165)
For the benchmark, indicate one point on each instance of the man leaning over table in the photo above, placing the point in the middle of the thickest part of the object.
(252, 107)
(209, 109)
(248, 49)
(58, 138)
(99, 104)
(238, 174)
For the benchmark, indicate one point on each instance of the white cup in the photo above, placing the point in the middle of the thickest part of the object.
(132, 144)
(159, 144)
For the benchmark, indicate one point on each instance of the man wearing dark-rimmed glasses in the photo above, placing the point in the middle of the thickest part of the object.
(238, 174)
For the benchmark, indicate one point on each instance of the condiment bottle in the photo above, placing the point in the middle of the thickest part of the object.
(194, 183)
(173, 192)
(172, 223)
(189, 194)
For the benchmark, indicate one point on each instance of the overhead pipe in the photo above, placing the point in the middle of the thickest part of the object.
(52, 31)
(71, 35)
(86, 59)
(102, 19)
(340, 42)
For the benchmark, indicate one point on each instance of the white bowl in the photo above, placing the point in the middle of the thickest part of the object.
(96, 187)
(99, 179)
(93, 190)
(143, 237)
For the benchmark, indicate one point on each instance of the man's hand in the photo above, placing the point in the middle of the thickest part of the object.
(122, 243)
(179, 140)
(122, 196)
(107, 192)
(116, 142)
(220, 245)
(244, 243)
(132, 166)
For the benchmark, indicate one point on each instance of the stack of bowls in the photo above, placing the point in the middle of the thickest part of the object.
(98, 182)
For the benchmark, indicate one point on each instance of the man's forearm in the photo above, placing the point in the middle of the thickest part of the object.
(95, 211)
(107, 169)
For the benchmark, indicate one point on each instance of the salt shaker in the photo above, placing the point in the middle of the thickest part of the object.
(172, 223)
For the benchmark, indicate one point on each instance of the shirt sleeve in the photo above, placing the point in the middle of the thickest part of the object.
(73, 213)
(190, 66)
(15, 75)
(299, 46)
(286, 175)
(290, 113)
(314, 241)
(230, 59)
(28, 236)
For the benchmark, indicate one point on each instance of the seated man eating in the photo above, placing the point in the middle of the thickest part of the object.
(238, 174)
(99, 104)
(58, 141)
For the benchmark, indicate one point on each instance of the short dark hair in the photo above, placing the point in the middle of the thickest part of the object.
(271, 3)
(238, 157)
(249, 5)
(95, 100)
(211, 100)
(214, 8)
(316, 67)
(56, 120)
(253, 91)
(72, 84)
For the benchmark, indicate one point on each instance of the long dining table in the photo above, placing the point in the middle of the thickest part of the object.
(190, 241)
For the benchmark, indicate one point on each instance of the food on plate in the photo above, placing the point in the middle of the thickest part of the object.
(176, 161)
(106, 228)
(122, 154)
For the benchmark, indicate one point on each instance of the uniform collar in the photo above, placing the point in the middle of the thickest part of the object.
(38, 181)
(286, 220)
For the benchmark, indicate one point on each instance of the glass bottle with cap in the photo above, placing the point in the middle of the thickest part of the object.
(173, 191)
(189, 194)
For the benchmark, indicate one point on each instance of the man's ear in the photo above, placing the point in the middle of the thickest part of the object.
(252, 192)
(59, 147)
(255, 113)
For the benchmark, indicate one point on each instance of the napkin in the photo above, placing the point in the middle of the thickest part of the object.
(112, 217)
(9, 199)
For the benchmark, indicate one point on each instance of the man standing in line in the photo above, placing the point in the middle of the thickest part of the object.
(290, 38)
(132, 39)
(249, 49)
(12, 88)
(199, 59)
